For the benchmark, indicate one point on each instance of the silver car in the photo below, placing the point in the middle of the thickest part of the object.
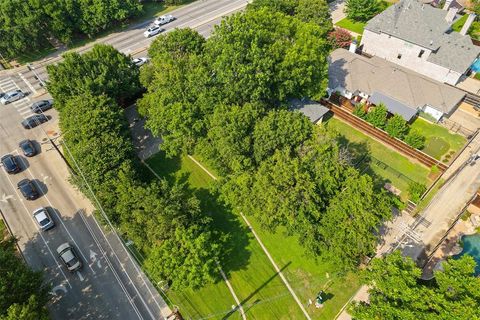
(12, 96)
(69, 257)
(43, 219)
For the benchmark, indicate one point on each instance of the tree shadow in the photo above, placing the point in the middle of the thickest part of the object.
(236, 255)
(257, 290)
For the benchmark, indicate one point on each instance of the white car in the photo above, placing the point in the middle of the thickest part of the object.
(164, 20)
(140, 61)
(12, 96)
(153, 31)
(42, 217)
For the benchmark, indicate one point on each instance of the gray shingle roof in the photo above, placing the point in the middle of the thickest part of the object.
(355, 72)
(393, 106)
(313, 110)
(424, 25)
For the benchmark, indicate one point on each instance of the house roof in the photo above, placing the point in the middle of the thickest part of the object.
(426, 26)
(368, 75)
(313, 110)
(393, 106)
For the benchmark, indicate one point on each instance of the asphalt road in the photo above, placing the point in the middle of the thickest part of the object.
(110, 285)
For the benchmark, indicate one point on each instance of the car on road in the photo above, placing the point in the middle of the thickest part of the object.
(153, 31)
(43, 219)
(10, 164)
(164, 20)
(33, 121)
(69, 257)
(28, 148)
(28, 189)
(12, 96)
(140, 61)
(41, 106)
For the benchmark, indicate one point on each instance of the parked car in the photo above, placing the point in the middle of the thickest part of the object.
(164, 20)
(41, 106)
(10, 164)
(28, 189)
(69, 257)
(140, 61)
(153, 31)
(33, 121)
(28, 148)
(43, 219)
(12, 96)
(2, 94)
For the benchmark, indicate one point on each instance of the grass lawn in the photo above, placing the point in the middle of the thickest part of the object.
(383, 163)
(474, 30)
(440, 142)
(252, 276)
(350, 25)
(150, 11)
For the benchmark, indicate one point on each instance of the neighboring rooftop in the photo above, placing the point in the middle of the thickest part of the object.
(368, 75)
(313, 110)
(393, 106)
(426, 26)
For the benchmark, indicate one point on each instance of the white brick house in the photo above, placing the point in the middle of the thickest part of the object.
(419, 37)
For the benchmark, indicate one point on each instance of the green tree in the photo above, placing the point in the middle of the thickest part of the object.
(22, 292)
(316, 11)
(361, 10)
(359, 111)
(266, 56)
(396, 291)
(21, 27)
(187, 260)
(348, 228)
(278, 130)
(287, 7)
(378, 116)
(180, 93)
(415, 191)
(415, 139)
(103, 70)
(229, 142)
(397, 127)
(475, 6)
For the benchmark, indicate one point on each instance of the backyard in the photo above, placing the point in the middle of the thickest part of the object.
(253, 278)
(382, 163)
(474, 30)
(357, 26)
(441, 144)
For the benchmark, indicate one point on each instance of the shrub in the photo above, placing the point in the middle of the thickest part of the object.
(361, 10)
(415, 139)
(378, 116)
(415, 190)
(397, 127)
(359, 111)
(340, 38)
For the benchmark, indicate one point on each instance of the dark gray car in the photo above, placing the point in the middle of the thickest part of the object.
(41, 106)
(33, 121)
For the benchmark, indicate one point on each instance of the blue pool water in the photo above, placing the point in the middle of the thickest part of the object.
(476, 66)
(471, 246)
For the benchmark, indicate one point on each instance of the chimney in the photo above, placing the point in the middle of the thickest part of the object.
(353, 46)
(447, 4)
(452, 12)
(468, 24)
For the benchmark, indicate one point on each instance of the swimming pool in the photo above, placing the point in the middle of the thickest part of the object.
(471, 246)
(476, 66)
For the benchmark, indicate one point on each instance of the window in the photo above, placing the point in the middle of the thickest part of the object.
(421, 53)
(399, 56)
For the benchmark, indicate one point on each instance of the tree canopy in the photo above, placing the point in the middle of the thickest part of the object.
(361, 10)
(22, 292)
(397, 292)
(28, 25)
(116, 77)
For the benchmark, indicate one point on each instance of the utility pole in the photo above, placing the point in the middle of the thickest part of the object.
(52, 142)
(32, 68)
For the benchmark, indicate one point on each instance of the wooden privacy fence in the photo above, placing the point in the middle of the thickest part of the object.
(381, 135)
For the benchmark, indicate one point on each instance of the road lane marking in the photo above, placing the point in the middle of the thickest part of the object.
(5, 198)
(93, 258)
(115, 274)
(58, 216)
(58, 288)
(80, 276)
(40, 233)
(120, 241)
